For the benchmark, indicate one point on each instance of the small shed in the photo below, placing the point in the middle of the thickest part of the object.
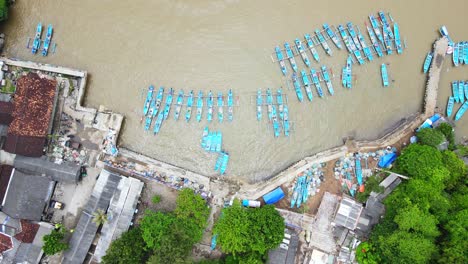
(274, 196)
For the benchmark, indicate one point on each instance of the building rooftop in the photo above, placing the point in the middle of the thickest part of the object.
(348, 213)
(65, 172)
(6, 109)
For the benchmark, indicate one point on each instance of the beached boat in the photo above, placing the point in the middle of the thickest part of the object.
(188, 114)
(328, 82)
(286, 125)
(387, 41)
(220, 107)
(323, 42)
(385, 24)
(397, 38)
(209, 140)
(450, 104)
(376, 28)
(199, 106)
(353, 35)
(149, 96)
(316, 80)
(310, 45)
(279, 56)
(259, 104)
(219, 141)
(269, 100)
(301, 51)
(294, 198)
(206, 131)
(230, 104)
(158, 123)
(348, 43)
(297, 87)
(279, 100)
(358, 170)
(306, 82)
(461, 111)
(219, 161)
(349, 77)
(333, 36)
(466, 52)
(209, 104)
(224, 164)
(455, 54)
(276, 129)
(37, 39)
(466, 90)
(461, 53)
(159, 98)
(290, 55)
(179, 102)
(167, 107)
(149, 117)
(214, 141)
(455, 91)
(427, 62)
(344, 80)
(148, 123)
(45, 49)
(384, 73)
(365, 48)
(374, 40)
(358, 56)
(461, 91)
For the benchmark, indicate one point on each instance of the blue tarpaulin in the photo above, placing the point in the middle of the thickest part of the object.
(387, 160)
(274, 196)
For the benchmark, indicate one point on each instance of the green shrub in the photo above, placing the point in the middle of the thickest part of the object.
(430, 137)
(54, 242)
(156, 199)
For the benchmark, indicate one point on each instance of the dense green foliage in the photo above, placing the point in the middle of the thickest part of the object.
(248, 233)
(129, 248)
(426, 217)
(449, 134)
(54, 242)
(430, 137)
(371, 185)
(365, 254)
(3, 10)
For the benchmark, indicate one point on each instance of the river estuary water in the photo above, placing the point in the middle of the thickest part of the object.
(222, 44)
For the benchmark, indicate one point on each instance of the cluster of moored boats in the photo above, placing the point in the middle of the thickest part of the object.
(154, 109)
(307, 184)
(278, 113)
(315, 77)
(459, 95)
(37, 42)
(213, 142)
(460, 53)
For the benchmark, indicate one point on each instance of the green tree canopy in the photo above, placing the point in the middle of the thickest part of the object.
(404, 247)
(128, 249)
(3, 10)
(365, 254)
(54, 242)
(418, 161)
(413, 219)
(193, 211)
(430, 137)
(154, 227)
(174, 246)
(456, 167)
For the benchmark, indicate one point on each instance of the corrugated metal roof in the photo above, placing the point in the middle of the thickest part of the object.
(65, 172)
(348, 213)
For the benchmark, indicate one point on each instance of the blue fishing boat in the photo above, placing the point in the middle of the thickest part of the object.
(37, 39)
(365, 48)
(427, 62)
(158, 123)
(385, 24)
(465, 47)
(353, 35)
(149, 117)
(344, 80)
(47, 41)
(349, 77)
(347, 41)
(230, 104)
(209, 140)
(358, 171)
(290, 55)
(159, 98)
(461, 56)
(358, 56)
(279, 56)
(275, 122)
(455, 91)
(294, 198)
(306, 82)
(219, 141)
(384, 74)
(199, 106)
(311, 46)
(455, 57)
(466, 90)
(461, 91)
(333, 36)
(397, 38)
(297, 88)
(461, 111)
(316, 80)
(213, 242)
(179, 102)
(387, 41)
(299, 190)
(301, 51)
(328, 82)
(220, 107)
(149, 96)
(450, 104)
(209, 104)
(259, 104)
(148, 123)
(219, 161)
(323, 42)
(286, 126)
(279, 101)
(167, 108)
(206, 131)
(224, 163)
(376, 28)
(374, 40)
(269, 99)
(188, 114)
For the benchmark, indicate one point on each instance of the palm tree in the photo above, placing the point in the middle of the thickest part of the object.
(99, 217)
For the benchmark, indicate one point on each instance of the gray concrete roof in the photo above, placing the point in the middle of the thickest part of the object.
(322, 230)
(285, 256)
(65, 172)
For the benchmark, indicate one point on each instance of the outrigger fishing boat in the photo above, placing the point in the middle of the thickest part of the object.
(376, 27)
(466, 52)
(387, 41)
(348, 43)
(333, 36)
(349, 77)
(45, 49)
(301, 51)
(427, 62)
(286, 121)
(259, 104)
(279, 56)
(290, 55)
(167, 108)
(279, 100)
(149, 96)
(275, 122)
(199, 106)
(461, 58)
(224, 164)
(466, 90)
(353, 35)
(316, 80)
(37, 39)
(206, 131)
(384, 74)
(374, 41)
(397, 38)
(385, 24)
(450, 104)
(358, 170)
(179, 102)
(461, 111)
(461, 91)
(149, 117)
(327, 79)
(188, 114)
(324, 43)
(219, 141)
(209, 103)
(310, 45)
(358, 56)
(455, 91)
(230, 104)
(220, 107)
(158, 123)
(365, 48)
(344, 80)
(159, 98)
(305, 81)
(269, 103)
(297, 88)
(455, 54)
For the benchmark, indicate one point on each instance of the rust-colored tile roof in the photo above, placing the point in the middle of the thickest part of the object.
(5, 243)
(24, 145)
(33, 105)
(6, 109)
(28, 231)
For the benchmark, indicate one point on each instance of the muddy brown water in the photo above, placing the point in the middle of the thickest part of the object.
(217, 45)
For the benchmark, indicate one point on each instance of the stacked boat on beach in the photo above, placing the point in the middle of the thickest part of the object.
(306, 184)
(278, 113)
(459, 96)
(212, 141)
